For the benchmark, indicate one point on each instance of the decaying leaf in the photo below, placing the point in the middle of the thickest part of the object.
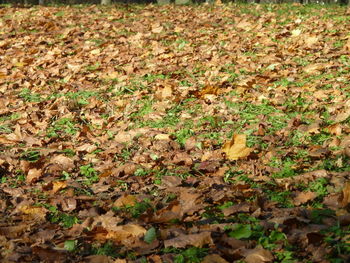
(33, 175)
(236, 148)
(304, 197)
(214, 258)
(121, 234)
(345, 197)
(38, 213)
(258, 255)
(196, 240)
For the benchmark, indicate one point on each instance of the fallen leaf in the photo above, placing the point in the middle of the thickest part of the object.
(65, 162)
(236, 148)
(345, 197)
(125, 200)
(100, 259)
(38, 213)
(214, 258)
(258, 255)
(33, 175)
(58, 185)
(196, 240)
(86, 148)
(304, 197)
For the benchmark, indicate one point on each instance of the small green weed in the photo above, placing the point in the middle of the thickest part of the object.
(30, 155)
(182, 135)
(90, 174)
(189, 255)
(107, 249)
(137, 210)
(64, 126)
(29, 96)
(55, 216)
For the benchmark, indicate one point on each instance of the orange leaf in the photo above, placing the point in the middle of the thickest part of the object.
(125, 200)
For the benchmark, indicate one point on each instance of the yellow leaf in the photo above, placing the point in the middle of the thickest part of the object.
(38, 213)
(95, 52)
(19, 64)
(58, 185)
(236, 148)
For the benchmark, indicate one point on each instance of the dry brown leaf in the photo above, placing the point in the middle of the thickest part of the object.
(100, 259)
(196, 240)
(311, 40)
(214, 258)
(209, 90)
(345, 197)
(314, 68)
(342, 116)
(236, 148)
(16, 136)
(162, 137)
(33, 175)
(14, 231)
(86, 148)
(168, 213)
(304, 197)
(335, 129)
(108, 221)
(126, 231)
(65, 162)
(258, 255)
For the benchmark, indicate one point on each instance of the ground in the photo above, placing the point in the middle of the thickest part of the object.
(175, 134)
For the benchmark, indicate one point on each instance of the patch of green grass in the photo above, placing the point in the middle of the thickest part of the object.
(136, 210)
(338, 44)
(70, 245)
(189, 255)
(319, 186)
(93, 67)
(81, 97)
(5, 129)
(338, 239)
(107, 249)
(69, 152)
(64, 126)
(11, 117)
(59, 13)
(153, 77)
(97, 41)
(144, 108)
(182, 135)
(55, 216)
(283, 198)
(30, 96)
(90, 174)
(30, 155)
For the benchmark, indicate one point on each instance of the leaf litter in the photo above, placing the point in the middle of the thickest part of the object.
(174, 134)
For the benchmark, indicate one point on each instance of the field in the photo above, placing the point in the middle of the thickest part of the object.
(175, 134)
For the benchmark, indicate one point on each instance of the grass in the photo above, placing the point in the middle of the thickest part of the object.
(274, 109)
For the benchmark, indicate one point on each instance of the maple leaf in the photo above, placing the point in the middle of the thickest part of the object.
(236, 148)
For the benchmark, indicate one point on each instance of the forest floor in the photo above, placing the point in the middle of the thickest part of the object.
(175, 134)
